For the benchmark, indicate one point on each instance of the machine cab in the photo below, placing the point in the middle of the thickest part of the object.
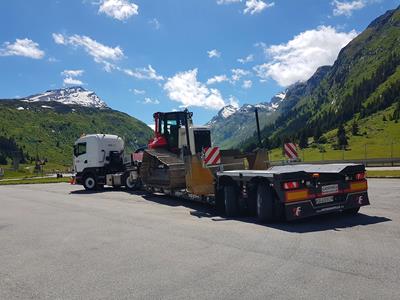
(175, 130)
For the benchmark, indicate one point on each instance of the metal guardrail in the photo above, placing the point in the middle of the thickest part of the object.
(376, 162)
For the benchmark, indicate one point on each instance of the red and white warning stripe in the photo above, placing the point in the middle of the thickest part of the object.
(212, 156)
(290, 150)
(137, 156)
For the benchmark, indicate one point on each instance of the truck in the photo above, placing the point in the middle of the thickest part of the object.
(181, 161)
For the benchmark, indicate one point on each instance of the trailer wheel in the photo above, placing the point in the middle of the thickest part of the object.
(89, 183)
(352, 211)
(265, 203)
(231, 201)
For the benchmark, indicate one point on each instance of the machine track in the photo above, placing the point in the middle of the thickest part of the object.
(163, 169)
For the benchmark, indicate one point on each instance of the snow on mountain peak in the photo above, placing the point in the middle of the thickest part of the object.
(227, 111)
(69, 96)
(281, 95)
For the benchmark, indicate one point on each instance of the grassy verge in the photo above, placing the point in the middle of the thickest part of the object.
(377, 138)
(34, 181)
(384, 174)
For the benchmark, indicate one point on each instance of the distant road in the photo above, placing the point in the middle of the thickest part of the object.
(383, 168)
(59, 242)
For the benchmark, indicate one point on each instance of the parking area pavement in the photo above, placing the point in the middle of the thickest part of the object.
(60, 242)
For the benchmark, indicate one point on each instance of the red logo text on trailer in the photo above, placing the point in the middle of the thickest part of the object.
(290, 150)
(212, 156)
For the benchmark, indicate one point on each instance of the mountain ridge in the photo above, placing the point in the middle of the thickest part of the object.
(76, 95)
(364, 79)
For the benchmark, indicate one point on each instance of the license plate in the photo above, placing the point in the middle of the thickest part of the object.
(324, 200)
(329, 189)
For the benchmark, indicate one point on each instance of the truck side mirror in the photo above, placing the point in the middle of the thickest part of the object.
(104, 155)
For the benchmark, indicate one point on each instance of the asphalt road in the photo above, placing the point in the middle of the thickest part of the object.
(58, 242)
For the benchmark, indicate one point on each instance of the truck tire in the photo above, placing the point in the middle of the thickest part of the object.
(265, 204)
(131, 184)
(231, 201)
(89, 183)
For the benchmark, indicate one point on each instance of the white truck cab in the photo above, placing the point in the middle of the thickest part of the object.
(92, 151)
(98, 160)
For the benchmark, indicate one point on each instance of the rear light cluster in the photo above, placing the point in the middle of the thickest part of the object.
(359, 176)
(291, 185)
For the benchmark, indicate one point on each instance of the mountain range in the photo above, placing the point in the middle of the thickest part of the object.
(364, 79)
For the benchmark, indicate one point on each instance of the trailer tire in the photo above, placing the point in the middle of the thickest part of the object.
(231, 201)
(89, 182)
(352, 211)
(265, 203)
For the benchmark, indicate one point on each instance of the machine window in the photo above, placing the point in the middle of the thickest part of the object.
(202, 139)
(79, 149)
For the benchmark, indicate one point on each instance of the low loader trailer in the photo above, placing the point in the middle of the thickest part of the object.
(181, 161)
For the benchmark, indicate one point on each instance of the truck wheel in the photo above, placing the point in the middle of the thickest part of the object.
(89, 183)
(265, 203)
(130, 184)
(231, 201)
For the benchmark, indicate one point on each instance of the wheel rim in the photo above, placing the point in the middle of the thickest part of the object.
(129, 183)
(90, 183)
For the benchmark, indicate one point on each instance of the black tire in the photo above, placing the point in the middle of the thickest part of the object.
(352, 211)
(252, 201)
(231, 201)
(220, 201)
(265, 204)
(89, 182)
(131, 185)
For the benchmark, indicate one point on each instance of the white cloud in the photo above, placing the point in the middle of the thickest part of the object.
(118, 9)
(101, 53)
(346, 7)
(256, 6)
(217, 79)
(220, 2)
(144, 73)
(247, 84)
(72, 81)
(247, 59)
(52, 60)
(299, 58)
(138, 92)
(72, 73)
(70, 77)
(22, 47)
(184, 87)
(233, 101)
(148, 100)
(214, 53)
(238, 73)
(58, 38)
(155, 23)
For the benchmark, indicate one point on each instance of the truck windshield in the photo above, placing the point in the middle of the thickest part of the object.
(79, 149)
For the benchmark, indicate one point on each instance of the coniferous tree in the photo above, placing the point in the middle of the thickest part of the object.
(303, 141)
(354, 128)
(341, 136)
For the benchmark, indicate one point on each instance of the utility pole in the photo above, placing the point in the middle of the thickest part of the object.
(391, 153)
(258, 129)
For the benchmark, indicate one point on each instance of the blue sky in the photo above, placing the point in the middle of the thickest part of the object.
(142, 56)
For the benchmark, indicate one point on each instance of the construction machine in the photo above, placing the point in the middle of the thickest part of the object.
(180, 160)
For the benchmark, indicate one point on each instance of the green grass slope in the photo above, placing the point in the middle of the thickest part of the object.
(378, 137)
(59, 126)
